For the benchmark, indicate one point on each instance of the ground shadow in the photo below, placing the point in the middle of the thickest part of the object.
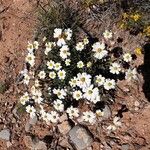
(145, 70)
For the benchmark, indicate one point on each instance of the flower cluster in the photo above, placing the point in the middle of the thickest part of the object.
(71, 75)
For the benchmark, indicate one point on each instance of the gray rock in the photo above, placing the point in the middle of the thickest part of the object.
(33, 120)
(80, 137)
(125, 147)
(107, 112)
(40, 146)
(5, 134)
(28, 125)
(34, 145)
(15, 113)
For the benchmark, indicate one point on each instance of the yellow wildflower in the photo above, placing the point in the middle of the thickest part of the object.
(125, 15)
(147, 30)
(138, 51)
(135, 17)
(122, 25)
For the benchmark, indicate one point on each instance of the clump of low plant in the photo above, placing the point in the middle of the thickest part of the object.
(136, 18)
(3, 87)
(74, 76)
(55, 14)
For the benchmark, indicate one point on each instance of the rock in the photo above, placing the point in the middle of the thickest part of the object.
(37, 145)
(27, 127)
(5, 134)
(107, 113)
(15, 113)
(80, 137)
(33, 120)
(64, 127)
(63, 141)
(40, 146)
(28, 142)
(96, 146)
(125, 147)
(9, 144)
(63, 117)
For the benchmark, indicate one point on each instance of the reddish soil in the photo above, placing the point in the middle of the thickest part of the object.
(17, 24)
(17, 21)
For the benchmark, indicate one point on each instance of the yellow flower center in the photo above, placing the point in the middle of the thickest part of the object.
(90, 91)
(83, 79)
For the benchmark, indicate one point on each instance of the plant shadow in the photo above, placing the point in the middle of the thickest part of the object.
(145, 70)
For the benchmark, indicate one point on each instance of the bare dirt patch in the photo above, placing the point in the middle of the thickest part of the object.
(17, 26)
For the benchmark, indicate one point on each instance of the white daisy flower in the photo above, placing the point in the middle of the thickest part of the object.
(89, 116)
(24, 98)
(115, 68)
(57, 32)
(127, 57)
(52, 75)
(36, 44)
(107, 34)
(49, 46)
(45, 116)
(131, 74)
(42, 75)
(64, 52)
(26, 79)
(68, 34)
(30, 47)
(92, 94)
(100, 80)
(80, 64)
(31, 110)
(59, 35)
(77, 95)
(89, 64)
(37, 96)
(72, 112)
(79, 46)
(116, 123)
(53, 116)
(85, 41)
(50, 64)
(36, 83)
(98, 48)
(57, 66)
(109, 84)
(61, 74)
(30, 58)
(58, 105)
(84, 80)
(61, 93)
(61, 42)
(67, 62)
(73, 82)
